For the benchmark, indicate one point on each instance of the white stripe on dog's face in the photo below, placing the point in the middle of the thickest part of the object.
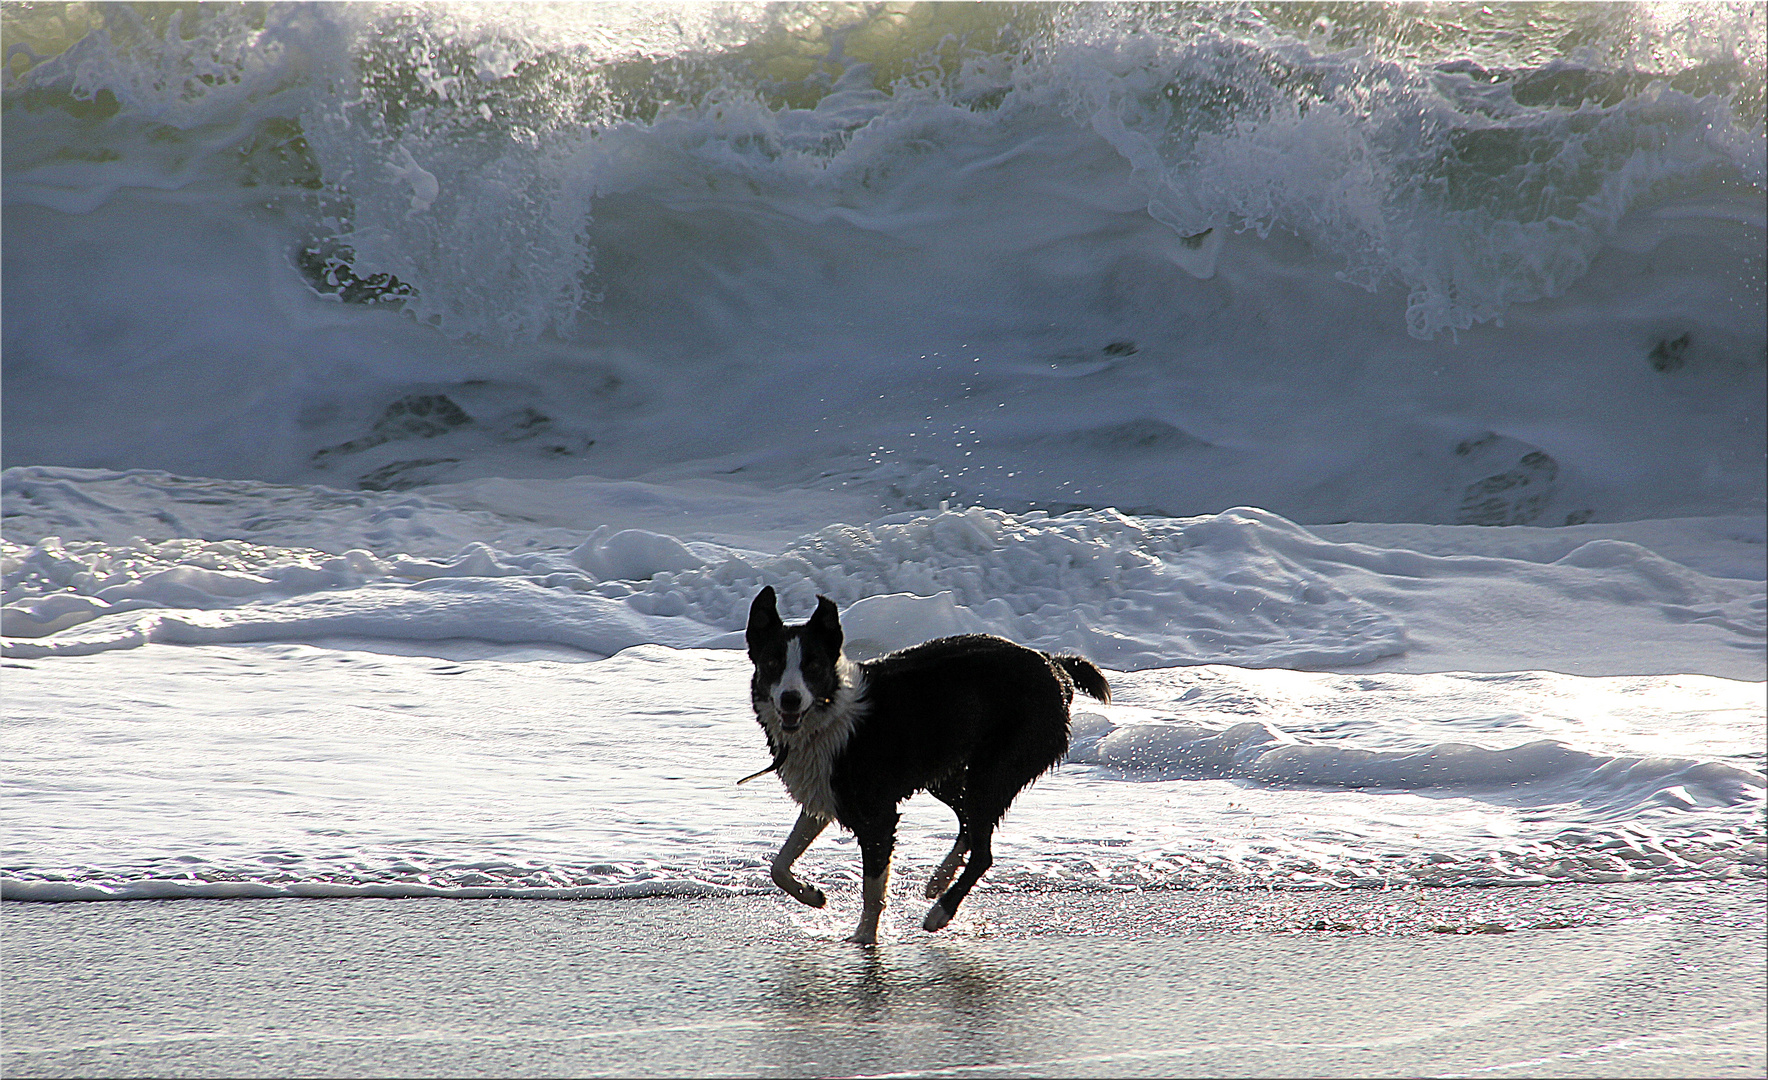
(792, 681)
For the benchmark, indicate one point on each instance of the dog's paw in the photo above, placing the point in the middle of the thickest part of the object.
(936, 885)
(813, 896)
(937, 917)
(861, 937)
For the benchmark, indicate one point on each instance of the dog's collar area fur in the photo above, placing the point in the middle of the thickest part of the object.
(831, 710)
(824, 712)
(807, 754)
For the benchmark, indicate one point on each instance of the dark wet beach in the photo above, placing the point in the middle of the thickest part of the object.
(1634, 980)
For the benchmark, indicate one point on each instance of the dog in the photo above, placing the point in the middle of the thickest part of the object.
(971, 719)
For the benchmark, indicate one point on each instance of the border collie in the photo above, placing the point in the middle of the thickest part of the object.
(970, 719)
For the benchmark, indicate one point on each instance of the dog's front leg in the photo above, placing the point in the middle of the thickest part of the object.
(808, 828)
(876, 838)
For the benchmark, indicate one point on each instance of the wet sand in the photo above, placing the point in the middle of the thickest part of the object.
(1612, 980)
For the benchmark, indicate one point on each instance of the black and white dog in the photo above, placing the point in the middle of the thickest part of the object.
(971, 719)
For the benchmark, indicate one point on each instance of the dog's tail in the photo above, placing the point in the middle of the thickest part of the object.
(1086, 675)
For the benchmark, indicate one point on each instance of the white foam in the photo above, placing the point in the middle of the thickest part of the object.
(291, 770)
(1257, 751)
(1244, 587)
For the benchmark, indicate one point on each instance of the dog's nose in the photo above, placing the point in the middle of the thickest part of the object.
(791, 701)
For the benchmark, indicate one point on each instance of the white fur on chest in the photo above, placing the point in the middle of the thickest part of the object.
(813, 748)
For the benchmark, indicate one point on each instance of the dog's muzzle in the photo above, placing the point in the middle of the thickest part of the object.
(792, 718)
(791, 709)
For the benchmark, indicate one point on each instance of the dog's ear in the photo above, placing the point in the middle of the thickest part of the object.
(826, 623)
(764, 620)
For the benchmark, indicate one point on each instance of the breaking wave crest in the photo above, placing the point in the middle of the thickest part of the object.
(1476, 164)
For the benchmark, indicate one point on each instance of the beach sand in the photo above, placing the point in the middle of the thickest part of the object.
(1570, 980)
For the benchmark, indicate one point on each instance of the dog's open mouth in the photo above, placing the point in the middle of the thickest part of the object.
(789, 720)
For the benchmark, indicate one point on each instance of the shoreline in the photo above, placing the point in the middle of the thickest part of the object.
(1652, 979)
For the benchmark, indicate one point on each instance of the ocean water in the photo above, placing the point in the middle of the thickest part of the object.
(403, 403)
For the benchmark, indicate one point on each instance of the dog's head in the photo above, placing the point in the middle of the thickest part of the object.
(798, 669)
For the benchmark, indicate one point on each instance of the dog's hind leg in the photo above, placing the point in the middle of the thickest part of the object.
(950, 791)
(809, 827)
(954, 861)
(877, 838)
(989, 788)
(983, 808)
(981, 858)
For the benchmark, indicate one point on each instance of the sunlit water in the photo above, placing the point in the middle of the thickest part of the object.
(403, 404)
